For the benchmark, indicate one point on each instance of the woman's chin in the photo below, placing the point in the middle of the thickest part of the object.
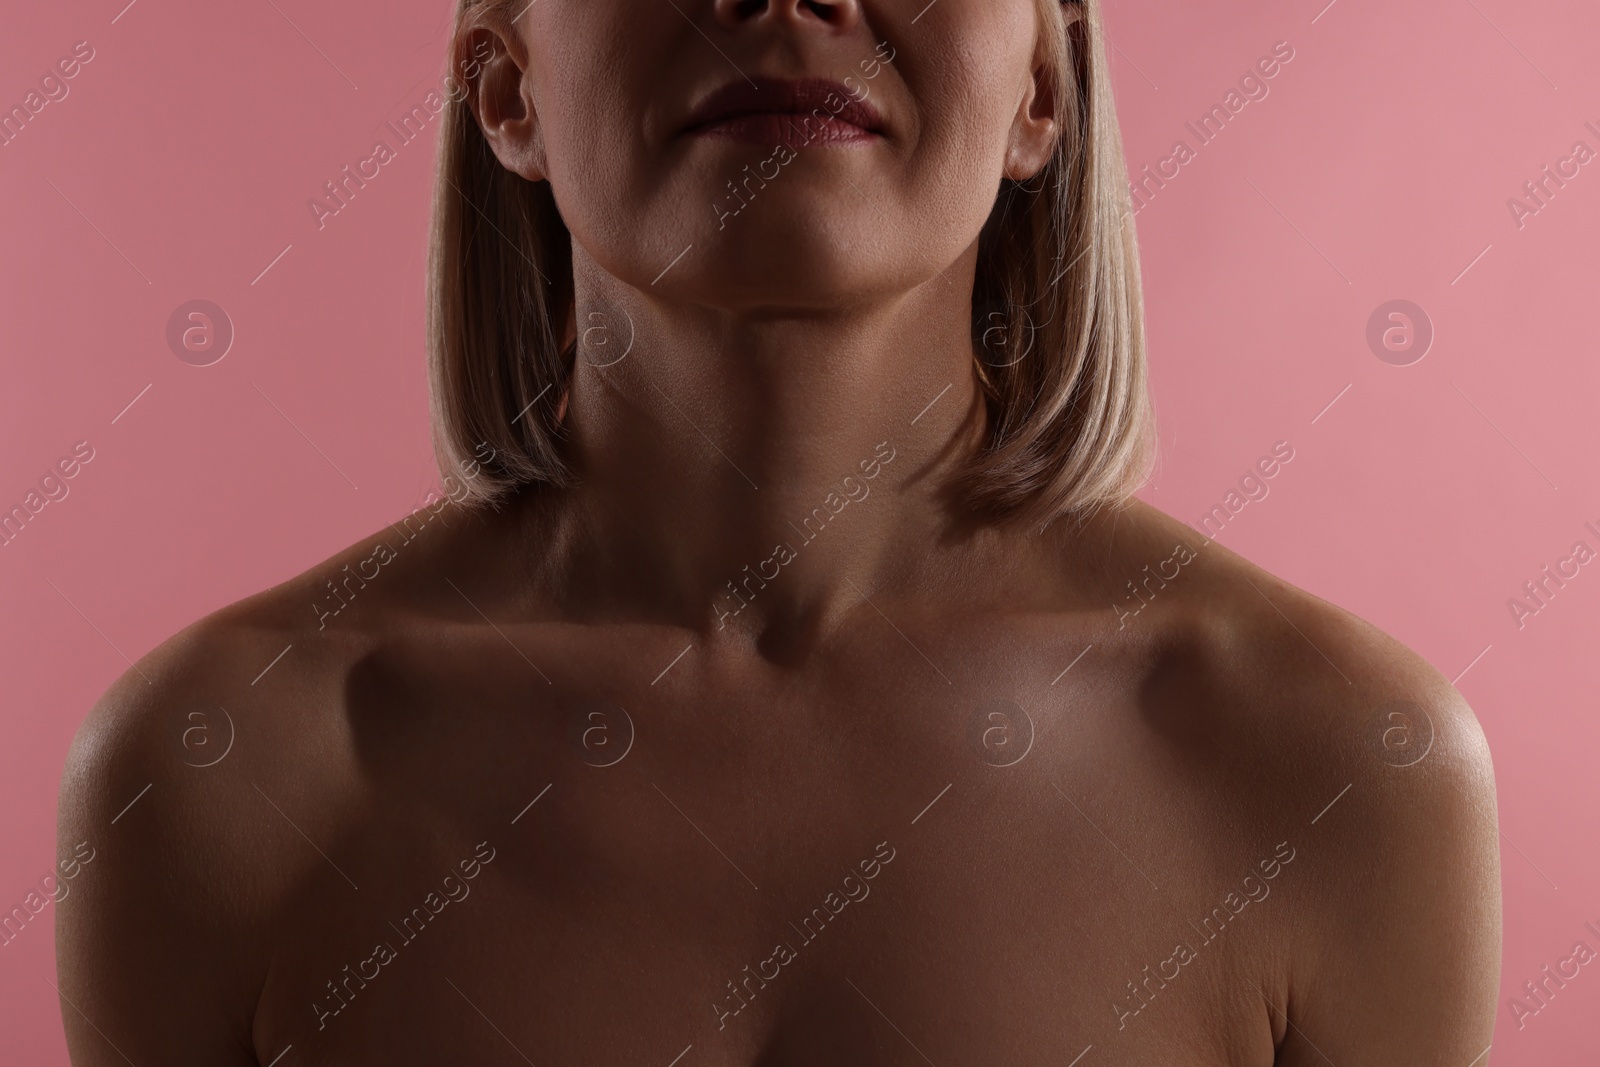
(774, 290)
(799, 269)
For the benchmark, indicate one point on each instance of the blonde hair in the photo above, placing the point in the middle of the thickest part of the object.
(1057, 307)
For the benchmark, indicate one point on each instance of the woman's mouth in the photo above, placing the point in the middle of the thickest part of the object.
(792, 113)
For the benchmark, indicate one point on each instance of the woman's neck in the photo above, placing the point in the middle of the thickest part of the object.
(760, 471)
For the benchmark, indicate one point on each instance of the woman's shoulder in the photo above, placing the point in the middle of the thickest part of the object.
(1283, 664)
(206, 710)
(1300, 686)
(198, 777)
(262, 683)
(235, 653)
(1312, 723)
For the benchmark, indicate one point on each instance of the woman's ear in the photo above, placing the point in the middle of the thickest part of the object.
(1036, 128)
(502, 101)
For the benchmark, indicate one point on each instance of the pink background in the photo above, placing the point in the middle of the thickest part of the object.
(1379, 167)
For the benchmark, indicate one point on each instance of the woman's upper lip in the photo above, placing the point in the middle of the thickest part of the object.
(783, 96)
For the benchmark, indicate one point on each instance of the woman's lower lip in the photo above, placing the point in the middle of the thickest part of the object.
(790, 131)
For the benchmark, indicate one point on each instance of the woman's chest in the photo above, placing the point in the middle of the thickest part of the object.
(872, 873)
(861, 972)
(638, 923)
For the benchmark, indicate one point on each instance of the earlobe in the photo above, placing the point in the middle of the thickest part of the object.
(500, 101)
(1034, 132)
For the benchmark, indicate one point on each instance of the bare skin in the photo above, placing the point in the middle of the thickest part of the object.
(809, 840)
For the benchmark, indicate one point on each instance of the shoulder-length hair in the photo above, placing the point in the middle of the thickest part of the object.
(1057, 309)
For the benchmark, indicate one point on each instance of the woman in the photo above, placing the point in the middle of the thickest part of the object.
(789, 677)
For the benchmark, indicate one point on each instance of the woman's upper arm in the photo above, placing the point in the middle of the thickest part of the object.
(147, 970)
(1405, 967)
